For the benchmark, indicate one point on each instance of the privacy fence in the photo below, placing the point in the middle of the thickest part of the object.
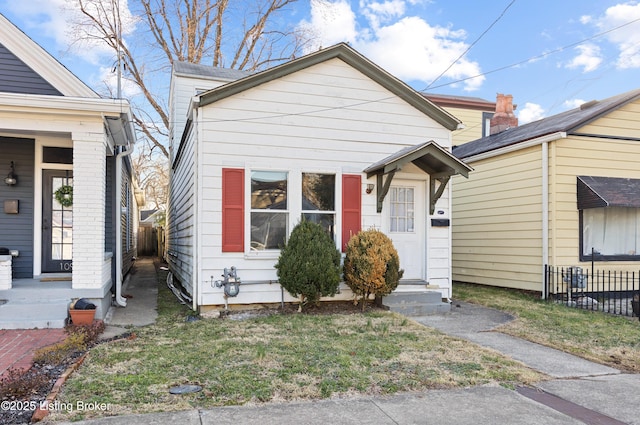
(610, 291)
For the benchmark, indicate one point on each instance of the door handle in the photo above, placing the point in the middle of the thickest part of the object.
(45, 225)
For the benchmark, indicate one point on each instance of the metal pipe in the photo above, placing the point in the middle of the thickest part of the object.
(545, 210)
(120, 300)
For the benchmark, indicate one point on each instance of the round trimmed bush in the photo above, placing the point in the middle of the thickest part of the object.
(309, 263)
(371, 265)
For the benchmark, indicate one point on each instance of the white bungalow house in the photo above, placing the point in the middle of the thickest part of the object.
(251, 154)
(57, 134)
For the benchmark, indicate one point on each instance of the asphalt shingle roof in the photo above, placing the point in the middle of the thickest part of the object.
(567, 121)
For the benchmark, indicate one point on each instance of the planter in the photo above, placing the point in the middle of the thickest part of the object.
(82, 317)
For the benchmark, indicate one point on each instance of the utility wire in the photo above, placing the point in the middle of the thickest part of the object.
(543, 55)
(471, 45)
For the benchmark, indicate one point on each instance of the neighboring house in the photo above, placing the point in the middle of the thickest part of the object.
(330, 137)
(549, 192)
(54, 132)
(474, 112)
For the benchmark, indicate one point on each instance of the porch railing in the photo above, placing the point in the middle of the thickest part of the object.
(609, 291)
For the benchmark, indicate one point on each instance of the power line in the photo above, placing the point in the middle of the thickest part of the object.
(543, 55)
(471, 45)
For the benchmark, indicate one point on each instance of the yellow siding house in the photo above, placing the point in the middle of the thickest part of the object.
(563, 191)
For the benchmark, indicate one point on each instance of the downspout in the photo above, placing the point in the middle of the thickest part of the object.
(120, 300)
(197, 293)
(545, 213)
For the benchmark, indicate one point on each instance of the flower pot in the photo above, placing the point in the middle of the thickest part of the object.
(82, 317)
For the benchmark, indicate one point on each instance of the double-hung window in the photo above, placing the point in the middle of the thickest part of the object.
(269, 209)
(319, 200)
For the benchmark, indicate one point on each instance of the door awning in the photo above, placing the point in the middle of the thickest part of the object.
(430, 158)
(601, 192)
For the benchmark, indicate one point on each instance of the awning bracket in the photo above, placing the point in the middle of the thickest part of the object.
(383, 188)
(435, 194)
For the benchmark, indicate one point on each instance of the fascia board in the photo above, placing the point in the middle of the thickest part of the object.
(79, 105)
(517, 146)
(38, 59)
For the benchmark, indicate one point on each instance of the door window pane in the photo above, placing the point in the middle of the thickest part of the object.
(401, 211)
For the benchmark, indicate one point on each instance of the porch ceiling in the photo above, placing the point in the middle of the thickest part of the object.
(430, 158)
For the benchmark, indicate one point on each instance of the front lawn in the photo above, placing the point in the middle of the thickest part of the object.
(596, 336)
(276, 358)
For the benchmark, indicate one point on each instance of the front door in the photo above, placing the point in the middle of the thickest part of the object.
(405, 217)
(57, 221)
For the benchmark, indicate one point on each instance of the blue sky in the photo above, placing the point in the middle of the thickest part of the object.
(551, 55)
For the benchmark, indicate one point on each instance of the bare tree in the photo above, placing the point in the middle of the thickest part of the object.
(150, 35)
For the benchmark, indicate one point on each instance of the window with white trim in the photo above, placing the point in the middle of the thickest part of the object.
(319, 200)
(269, 209)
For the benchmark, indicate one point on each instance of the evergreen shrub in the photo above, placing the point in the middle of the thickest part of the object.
(309, 264)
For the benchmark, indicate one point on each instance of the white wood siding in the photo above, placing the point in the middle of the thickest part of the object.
(328, 118)
(181, 215)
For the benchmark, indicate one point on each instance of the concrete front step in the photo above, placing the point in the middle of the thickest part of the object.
(416, 303)
(20, 314)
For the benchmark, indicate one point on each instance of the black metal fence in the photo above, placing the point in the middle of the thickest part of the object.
(610, 291)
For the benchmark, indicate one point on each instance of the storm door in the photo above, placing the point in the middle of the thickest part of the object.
(57, 221)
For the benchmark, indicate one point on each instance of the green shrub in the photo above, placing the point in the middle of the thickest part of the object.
(371, 265)
(309, 264)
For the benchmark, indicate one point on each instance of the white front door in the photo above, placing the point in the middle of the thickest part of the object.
(405, 225)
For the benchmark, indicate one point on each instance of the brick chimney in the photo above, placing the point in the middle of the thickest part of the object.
(504, 118)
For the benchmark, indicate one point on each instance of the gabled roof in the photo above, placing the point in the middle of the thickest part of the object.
(429, 157)
(567, 122)
(348, 55)
(32, 55)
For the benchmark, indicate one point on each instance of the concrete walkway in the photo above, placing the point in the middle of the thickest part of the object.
(140, 289)
(582, 391)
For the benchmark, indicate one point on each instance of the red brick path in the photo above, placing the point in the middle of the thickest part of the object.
(17, 346)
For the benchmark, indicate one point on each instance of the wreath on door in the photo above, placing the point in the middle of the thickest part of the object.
(64, 195)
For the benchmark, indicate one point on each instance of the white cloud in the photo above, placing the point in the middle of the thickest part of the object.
(589, 58)
(406, 46)
(585, 19)
(109, 78)
(531, 112)
(573, 103)
(56, 17)
(379, 13)
(626, 38)
(331, 22)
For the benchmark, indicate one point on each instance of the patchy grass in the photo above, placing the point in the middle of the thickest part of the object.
(279, 357)
(600, 337)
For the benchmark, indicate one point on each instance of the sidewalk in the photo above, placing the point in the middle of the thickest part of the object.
(582, 391)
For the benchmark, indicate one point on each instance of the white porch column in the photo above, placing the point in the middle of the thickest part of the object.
(5, 272)
(89, 169)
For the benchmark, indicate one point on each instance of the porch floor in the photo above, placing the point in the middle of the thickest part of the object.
(17, 346)
(36, 303)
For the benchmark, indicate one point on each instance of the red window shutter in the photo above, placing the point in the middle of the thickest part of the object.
(351, 207)
(232, 210)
